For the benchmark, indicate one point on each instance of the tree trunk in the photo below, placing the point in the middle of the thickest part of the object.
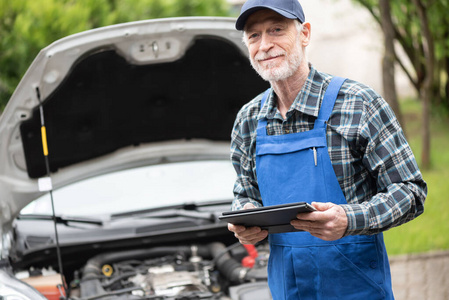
(428, 83)
(445, 96)
(388, 61)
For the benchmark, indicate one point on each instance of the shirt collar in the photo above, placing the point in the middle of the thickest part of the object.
(307, 101)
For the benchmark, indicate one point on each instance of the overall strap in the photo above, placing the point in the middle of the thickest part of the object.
(327, 105)
(328, 102)
(262, 124)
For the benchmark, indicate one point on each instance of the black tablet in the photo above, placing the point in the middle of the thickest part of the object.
(275, 219)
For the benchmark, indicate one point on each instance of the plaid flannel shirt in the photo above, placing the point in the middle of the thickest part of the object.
(372, 160)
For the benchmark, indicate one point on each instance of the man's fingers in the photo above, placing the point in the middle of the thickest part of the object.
(249, 205)
(236, 228)
(322, 206)
(248, 235)
(319, 215)
(252, 235)
(328, 222)
(254, 239)
(306, 225)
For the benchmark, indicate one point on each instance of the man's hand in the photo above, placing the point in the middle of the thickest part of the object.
(248, 235)
(328, 222)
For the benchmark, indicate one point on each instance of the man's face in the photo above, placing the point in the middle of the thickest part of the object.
(274, 45)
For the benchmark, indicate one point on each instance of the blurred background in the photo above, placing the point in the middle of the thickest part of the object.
(398, 47)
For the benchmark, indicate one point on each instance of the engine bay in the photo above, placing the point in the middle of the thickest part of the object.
(203, 271)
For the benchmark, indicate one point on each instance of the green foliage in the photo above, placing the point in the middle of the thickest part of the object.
(430, 230)
(27, 26)
(125, 11)
(410, 36)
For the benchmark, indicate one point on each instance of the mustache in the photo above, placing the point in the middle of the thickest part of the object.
(267, 55)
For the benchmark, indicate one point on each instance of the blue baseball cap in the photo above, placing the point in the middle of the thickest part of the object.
(291, 9)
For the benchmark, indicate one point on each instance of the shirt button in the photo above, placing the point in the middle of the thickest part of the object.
(373, 264)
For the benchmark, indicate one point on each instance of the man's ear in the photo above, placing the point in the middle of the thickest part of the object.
(306, 34)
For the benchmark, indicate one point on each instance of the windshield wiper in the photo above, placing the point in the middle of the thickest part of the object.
(181, 210)
(181, 213)
(61, 219)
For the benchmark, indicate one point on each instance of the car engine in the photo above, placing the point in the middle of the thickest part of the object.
(211, 271)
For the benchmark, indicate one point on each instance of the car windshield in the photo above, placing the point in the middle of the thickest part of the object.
(141, 188)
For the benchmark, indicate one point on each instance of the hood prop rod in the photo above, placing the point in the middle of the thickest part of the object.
(47, 166)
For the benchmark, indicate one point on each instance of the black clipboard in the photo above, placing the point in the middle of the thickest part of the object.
(275, 218)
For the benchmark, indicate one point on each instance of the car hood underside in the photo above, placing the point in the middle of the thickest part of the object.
(122, 88)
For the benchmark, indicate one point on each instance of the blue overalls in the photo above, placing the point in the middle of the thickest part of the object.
(297, 167)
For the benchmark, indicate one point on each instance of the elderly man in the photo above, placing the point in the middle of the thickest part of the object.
(332, 142)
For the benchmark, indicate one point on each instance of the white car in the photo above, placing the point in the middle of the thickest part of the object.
(114, 167)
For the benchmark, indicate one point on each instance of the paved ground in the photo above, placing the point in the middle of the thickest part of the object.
(421, 277)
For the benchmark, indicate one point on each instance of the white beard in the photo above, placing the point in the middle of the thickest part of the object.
(275, 71)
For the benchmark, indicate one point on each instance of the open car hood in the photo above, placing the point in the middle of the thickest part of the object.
(123, 96)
